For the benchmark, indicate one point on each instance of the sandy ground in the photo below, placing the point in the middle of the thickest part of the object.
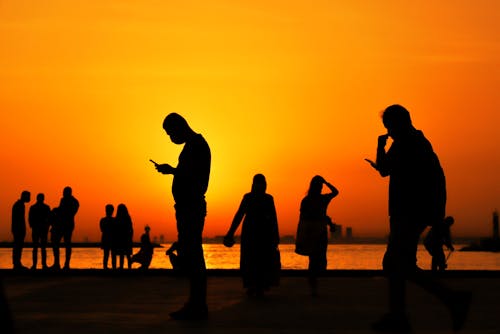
(140, 303)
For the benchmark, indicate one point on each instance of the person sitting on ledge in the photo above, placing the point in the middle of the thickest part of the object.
(145, 254)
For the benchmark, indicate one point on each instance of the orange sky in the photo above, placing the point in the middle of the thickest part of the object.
(286, 89)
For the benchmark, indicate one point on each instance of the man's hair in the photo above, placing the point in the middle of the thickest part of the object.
(396, 114)
(109, 208)
(174, 120)
(67, 191)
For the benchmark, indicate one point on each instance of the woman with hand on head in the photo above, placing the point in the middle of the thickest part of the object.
(312, 234)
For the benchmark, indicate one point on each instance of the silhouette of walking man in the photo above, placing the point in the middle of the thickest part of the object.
(189, 185)
(19, 229)
(39, 220)
(417, 198)
(68, 207)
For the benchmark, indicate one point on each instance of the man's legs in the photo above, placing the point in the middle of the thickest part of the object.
(190, 222)
(17, 251)
(105, 258)
(67, 243)
(35, 237)
(43, 248)
(400, 261)
(56, 242)
(113, 259)
(400, 265)
(191, 250)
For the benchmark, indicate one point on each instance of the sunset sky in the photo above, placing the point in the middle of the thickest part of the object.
(289, 89)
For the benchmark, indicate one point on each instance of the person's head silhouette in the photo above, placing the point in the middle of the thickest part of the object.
(259, 184)
(109, 210)
(25, 196)
(397, 121)
(67, 192)
(177, 128)
(40, 198)
(122, 211)
(449, 220)
(316, 185)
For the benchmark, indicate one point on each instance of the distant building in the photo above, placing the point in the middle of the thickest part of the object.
(162, 239)
(155, 239)
(337, 234)
(348, 233)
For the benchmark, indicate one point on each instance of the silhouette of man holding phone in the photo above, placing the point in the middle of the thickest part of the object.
(417, 199)
(189, 186)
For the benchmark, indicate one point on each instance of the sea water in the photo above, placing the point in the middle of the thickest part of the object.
(217, 256)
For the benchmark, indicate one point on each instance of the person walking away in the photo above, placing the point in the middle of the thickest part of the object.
(189, 185)
(39, 221)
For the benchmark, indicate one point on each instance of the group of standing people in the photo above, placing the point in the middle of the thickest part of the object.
(59, 221)
(417, 199)
(117, 239)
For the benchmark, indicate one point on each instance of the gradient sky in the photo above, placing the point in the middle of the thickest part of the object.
(288, 89)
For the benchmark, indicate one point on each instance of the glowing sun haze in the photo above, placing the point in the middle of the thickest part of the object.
(289, 89)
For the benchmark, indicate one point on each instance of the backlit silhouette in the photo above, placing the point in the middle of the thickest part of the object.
(39, 221)
(122, 237)
(68, 207)
(19, 229)
(312, 234)
(417, 198)
(188, 189)
(107, 225)
(259, 258)
(145, 254)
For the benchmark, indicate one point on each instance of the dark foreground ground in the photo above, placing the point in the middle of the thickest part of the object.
(96, 302)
